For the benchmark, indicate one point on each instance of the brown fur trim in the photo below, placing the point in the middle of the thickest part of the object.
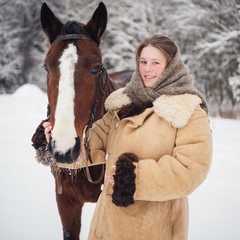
(43, 156)
(124, 178)
(132, 110)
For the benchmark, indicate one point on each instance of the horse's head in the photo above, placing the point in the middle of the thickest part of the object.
(74, 72)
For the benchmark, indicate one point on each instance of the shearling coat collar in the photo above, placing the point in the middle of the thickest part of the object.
(175, 109)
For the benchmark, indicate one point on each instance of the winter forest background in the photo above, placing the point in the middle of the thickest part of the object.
(207, 32)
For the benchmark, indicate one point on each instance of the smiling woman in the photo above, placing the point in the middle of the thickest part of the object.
(157, 144)
(152, 58)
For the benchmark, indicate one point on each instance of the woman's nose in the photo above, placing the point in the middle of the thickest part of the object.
(148, 67)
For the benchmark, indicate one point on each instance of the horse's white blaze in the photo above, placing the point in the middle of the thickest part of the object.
(64, 132)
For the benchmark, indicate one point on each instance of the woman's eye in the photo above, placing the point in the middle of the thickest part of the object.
(95, 70)
(46, 69)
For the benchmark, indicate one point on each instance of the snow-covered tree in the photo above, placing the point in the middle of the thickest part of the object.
(11, 59)
(206, 31)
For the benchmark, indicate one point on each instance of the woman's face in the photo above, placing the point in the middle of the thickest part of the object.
(152, 63)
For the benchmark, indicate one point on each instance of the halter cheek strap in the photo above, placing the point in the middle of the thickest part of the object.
(86, 132)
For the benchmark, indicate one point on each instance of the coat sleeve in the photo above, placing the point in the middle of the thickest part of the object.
(98, 137)
(177, 175)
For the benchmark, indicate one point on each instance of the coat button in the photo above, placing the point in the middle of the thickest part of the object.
(106, 156)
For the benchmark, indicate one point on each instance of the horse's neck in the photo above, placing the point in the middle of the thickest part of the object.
(109, 88)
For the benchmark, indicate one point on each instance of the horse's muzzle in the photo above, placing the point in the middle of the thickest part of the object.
(69, 156)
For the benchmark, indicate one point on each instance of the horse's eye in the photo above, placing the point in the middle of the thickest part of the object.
(46, 69)
(95, 70)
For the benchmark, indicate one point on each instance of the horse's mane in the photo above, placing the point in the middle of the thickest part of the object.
(72, 27)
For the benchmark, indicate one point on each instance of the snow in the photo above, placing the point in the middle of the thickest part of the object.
(28, 208)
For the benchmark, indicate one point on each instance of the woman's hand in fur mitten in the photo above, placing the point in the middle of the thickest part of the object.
(39, 137)
(124, 180)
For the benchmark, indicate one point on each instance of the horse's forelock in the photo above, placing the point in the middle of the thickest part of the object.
(72, 27)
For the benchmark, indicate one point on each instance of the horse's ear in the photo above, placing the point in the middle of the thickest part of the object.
(97, 24)
(51, 25)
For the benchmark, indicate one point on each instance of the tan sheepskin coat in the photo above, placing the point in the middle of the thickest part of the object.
(173, 141)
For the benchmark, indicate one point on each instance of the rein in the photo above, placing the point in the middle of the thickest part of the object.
(100, 88)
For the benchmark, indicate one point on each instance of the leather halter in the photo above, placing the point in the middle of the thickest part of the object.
(100, 88)
(73, 37)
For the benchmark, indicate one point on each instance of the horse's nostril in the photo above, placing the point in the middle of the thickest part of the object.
(76, 149)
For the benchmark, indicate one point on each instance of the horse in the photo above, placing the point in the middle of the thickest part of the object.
(77, 86)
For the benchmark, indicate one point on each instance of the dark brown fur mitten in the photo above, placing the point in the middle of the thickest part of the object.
(124, 180)
(39, 138)
(40, 144)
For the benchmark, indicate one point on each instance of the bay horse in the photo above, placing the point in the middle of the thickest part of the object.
(77, 86)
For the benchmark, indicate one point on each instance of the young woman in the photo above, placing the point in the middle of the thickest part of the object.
(157, 144)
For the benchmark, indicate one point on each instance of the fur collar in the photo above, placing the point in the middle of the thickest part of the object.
(175, 109)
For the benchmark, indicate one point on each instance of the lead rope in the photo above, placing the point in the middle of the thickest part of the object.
(88, 157)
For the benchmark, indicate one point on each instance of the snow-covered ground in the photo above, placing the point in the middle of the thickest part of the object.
(28, 208)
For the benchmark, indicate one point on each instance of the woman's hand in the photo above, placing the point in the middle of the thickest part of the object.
(47, 130)
(110, 177)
